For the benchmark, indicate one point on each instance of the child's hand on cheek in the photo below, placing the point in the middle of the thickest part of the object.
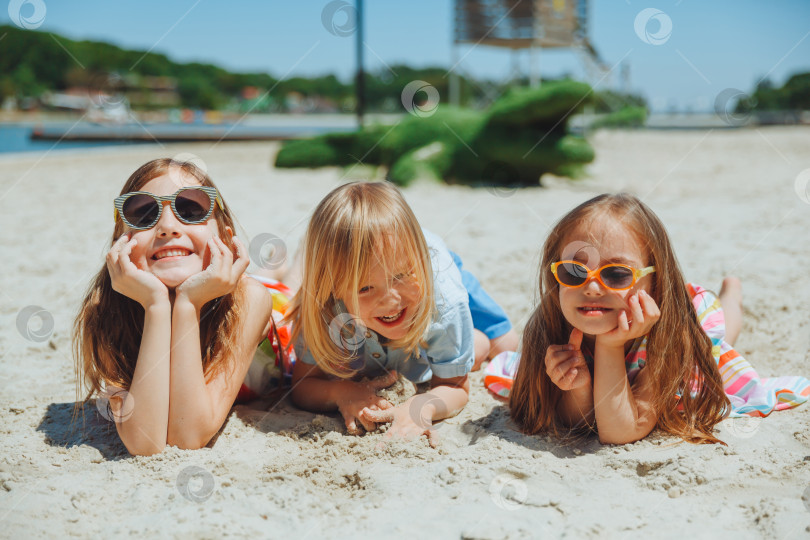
(129, 280)
(637, 320)
(221, 276)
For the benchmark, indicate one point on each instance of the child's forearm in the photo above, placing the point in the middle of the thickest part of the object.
(144, 418)
(617, 416)
(443, 400)
(191, 414)
(576, 406)
(315, 394)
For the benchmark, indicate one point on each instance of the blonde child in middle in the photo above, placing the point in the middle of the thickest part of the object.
(379, 296)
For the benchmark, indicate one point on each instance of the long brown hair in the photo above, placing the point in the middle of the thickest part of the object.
(108, 329)
(679, 353)
(354, 225)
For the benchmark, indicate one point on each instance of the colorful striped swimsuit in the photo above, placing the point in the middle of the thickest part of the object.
(750, 395)
(273, 360)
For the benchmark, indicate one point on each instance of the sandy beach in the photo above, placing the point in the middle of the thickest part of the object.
(729, 201)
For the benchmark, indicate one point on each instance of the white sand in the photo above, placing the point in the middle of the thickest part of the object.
(728, 200)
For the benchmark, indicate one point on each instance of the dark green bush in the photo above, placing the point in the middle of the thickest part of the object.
(520, 138)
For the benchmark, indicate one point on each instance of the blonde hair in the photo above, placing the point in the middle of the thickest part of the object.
(679, 353)
(108, 329)
(354, 226)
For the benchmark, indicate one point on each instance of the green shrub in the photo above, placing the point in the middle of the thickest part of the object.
(541, 106)
(522, 136)
(310, 153)
(628, 117)
(431, 162)
(449, 125)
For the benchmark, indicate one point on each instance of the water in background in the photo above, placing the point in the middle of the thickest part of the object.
(17, 138)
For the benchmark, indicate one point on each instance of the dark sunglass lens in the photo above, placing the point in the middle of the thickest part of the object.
(572, 274)
(192, 205)
(617, 277)
(141, 210)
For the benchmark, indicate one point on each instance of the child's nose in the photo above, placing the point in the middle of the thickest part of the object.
(393, 296)
(168, 224)
(593, 287)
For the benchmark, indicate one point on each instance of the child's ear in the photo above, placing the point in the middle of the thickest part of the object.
(229, 231)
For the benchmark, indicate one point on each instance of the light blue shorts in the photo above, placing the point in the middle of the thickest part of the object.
(488, 317)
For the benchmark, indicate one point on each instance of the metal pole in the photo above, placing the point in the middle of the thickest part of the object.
(360, 86)
(455, 90)
(454, 83)
(534, 61)
(534, 48)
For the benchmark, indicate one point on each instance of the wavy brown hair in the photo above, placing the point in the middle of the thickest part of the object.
(679, 353)
(355, 225)
(108, 329)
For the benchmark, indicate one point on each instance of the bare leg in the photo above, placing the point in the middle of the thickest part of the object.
(507, 342)
(481, 344)
(731, 300)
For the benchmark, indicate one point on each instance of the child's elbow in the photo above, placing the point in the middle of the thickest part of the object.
(297, 398)
(189, 445)
(626, 435)
(141, 444)
(143, 448)
(619, 438)
(190, 441)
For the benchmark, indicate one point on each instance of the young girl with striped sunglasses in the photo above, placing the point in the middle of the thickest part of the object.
(168, 332)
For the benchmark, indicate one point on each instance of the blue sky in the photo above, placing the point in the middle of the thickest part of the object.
(713, 45)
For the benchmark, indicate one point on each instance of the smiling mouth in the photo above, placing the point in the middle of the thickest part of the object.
(171, 253)
(592, 311)
(392, 319)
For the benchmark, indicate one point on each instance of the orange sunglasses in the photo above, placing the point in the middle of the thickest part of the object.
(617, 277)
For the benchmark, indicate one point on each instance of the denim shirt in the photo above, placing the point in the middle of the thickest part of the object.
(448, 350)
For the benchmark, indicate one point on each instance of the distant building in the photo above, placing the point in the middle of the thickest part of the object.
(145, 92)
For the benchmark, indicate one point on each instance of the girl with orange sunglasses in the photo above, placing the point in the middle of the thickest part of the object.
(619, 344)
